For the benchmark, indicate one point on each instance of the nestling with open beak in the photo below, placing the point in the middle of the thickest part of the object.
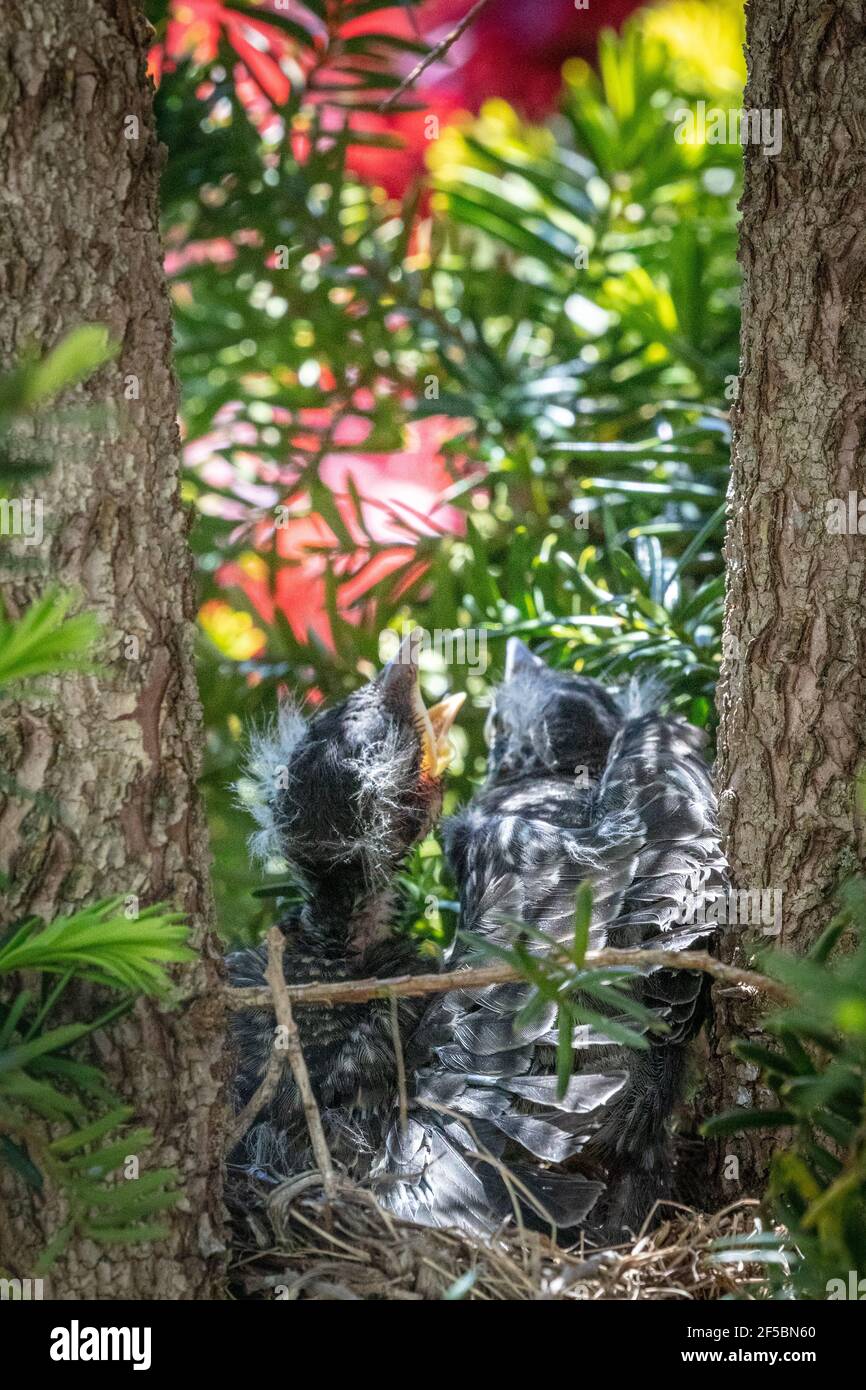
(342, 797)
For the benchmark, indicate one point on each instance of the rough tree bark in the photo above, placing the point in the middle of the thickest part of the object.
(118, 754)
(793, 692)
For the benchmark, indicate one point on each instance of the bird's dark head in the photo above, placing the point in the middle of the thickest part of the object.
(345, 795)
(545, 722)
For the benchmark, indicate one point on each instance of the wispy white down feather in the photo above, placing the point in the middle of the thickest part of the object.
(271, 750)
(642, 695)
(383, 771)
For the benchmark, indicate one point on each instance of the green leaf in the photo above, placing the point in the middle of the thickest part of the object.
(55, 1248)
(73, 360)
(582, 920)
(17, 1159)
(564, 1049)
(16, 1058)
(125, 1235)
(736, 1121)
(44, 641)
(101, 944)
(88, 1134)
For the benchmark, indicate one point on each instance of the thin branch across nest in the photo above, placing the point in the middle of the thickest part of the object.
(359, 991)
(282, 997)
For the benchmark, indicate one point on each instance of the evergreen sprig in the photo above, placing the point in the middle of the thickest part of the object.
(59, 1122)
(817, 1076)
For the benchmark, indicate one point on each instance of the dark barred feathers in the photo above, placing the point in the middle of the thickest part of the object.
(341, 798)
(580, 787)
(349, 1050)
(583, 785)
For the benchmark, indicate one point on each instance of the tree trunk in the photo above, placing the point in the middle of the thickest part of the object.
(118, 753)
(793, 692)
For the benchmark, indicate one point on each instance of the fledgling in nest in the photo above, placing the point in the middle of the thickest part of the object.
(342, 798)
(583, 785)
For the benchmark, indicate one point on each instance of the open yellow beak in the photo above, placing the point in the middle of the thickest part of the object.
(399, 677)
(435, 724)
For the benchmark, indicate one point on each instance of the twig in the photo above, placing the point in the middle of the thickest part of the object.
(359, 991)
(263, 1095)
(434, 55)
(401, 1065)
(282, 1006)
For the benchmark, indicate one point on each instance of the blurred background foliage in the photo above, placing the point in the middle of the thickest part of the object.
(466, 362)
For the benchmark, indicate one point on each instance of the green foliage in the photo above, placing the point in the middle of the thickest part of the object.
(59, 1123)
(245, 328)
(44, 641)
(598, 998)
(574, 303)
(102, 943)
(74, 359)
(616, 329)
(33, 383)
(817, 1074)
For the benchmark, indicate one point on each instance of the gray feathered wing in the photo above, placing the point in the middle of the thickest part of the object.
(487, 1133)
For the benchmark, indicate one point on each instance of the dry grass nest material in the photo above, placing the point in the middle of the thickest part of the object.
(292, 1243)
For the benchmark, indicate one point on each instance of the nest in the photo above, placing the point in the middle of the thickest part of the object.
(294, 1243)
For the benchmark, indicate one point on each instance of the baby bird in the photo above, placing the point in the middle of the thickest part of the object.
(582, 785)
(343, 798)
